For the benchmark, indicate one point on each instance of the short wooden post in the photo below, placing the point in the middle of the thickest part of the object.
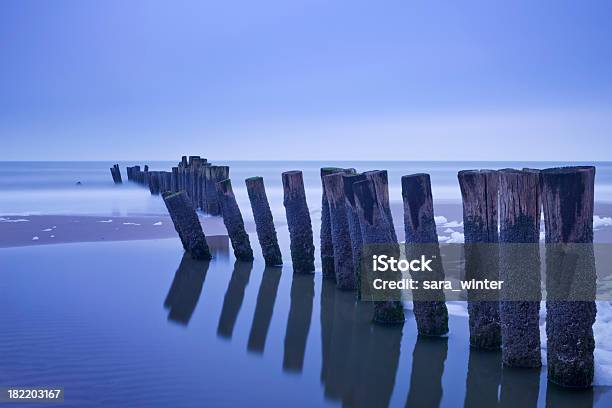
(153, 182)
(479, 192)
(298, 222)
(327, 247)
(232, 218)
(519, 262)
(116, 174)
(568, 199)
(213, 175)
(264, 223)
(375, 230)
(187, 224)
(333, 185)
(353, 223)
(430, 310)
(381, 185)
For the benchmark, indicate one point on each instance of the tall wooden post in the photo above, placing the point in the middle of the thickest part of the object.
(187, 224)
(519, 262)
(568, 199)
(327, 246)
(381, 185)
(174, 183)
(375, 230)
(333, 185)
(298, 222)
(232, 218)
(430, 310)
(264, 223)
(479, 191)
(353, 222)
(213, 175)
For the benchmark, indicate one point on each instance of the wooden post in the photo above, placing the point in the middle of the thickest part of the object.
(298, 222)
(519, 261)
(116, 174)
(327, 247)
(479, 192)
(568, 199)
(430, 310)
(375, 230)
(213, 175)
(333, 186)
(174, 183)
(187, 224)
(353, 223)
(232, 218)
(381, 186)
(264, 223)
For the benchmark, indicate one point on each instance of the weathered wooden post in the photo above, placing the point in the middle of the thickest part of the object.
(430, 310)
(264, 223)
(568, 199)
(333, 185)
(298, 222)
(174, 181)
(213, 175)
(145, 176)
(116, 174)
(232, 218)
(187, 224)
(327, 247)
(479, 192)
(353, 222)
(153, 182)
(375, 230)
(519, 263)
(381, 186)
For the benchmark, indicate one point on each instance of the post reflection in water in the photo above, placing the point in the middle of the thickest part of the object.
(186, 288)
(264, 309)
(298, 322)
(428, 358)
(483, 378)
(360, 359)
(233, 298)
(519, 387)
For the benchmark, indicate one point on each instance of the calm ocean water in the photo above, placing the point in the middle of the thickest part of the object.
(50, 187)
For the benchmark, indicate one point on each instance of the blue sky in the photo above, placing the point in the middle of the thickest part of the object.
(400, 80)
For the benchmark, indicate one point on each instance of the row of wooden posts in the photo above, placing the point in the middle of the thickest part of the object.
(498, 206)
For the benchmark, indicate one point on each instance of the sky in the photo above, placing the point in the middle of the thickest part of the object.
(306, 80)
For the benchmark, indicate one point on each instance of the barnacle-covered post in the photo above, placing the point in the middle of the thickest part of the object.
(519, 267)
(327, 246)
(232, 218)
(479, 192)
(187, 225)
(298, 222)
(568, 199)
(430, 310)
(264, 223)
(375, 230)
(333, 185)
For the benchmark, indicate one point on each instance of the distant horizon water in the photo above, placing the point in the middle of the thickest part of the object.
(50, 187)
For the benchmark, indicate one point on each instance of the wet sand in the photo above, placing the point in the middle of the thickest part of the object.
(18, 231)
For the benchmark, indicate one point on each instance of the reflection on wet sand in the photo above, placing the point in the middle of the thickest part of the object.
(233, 298)
(298, 322)
(428, 358)
(185, 290)
(360, 359)
(264, 309)
(483, 378)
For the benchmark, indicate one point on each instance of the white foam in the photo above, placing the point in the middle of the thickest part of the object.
(456, 238)
(130, 223)
(34, 238)
(601, 222)
(2, 219)
(449, 231)
(47, 230)
(440, 219)
(51, 236)
(105, 221)
(453, 224)
(158, 223)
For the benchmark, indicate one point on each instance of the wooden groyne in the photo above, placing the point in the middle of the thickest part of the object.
(501, 217)
(116, 174)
